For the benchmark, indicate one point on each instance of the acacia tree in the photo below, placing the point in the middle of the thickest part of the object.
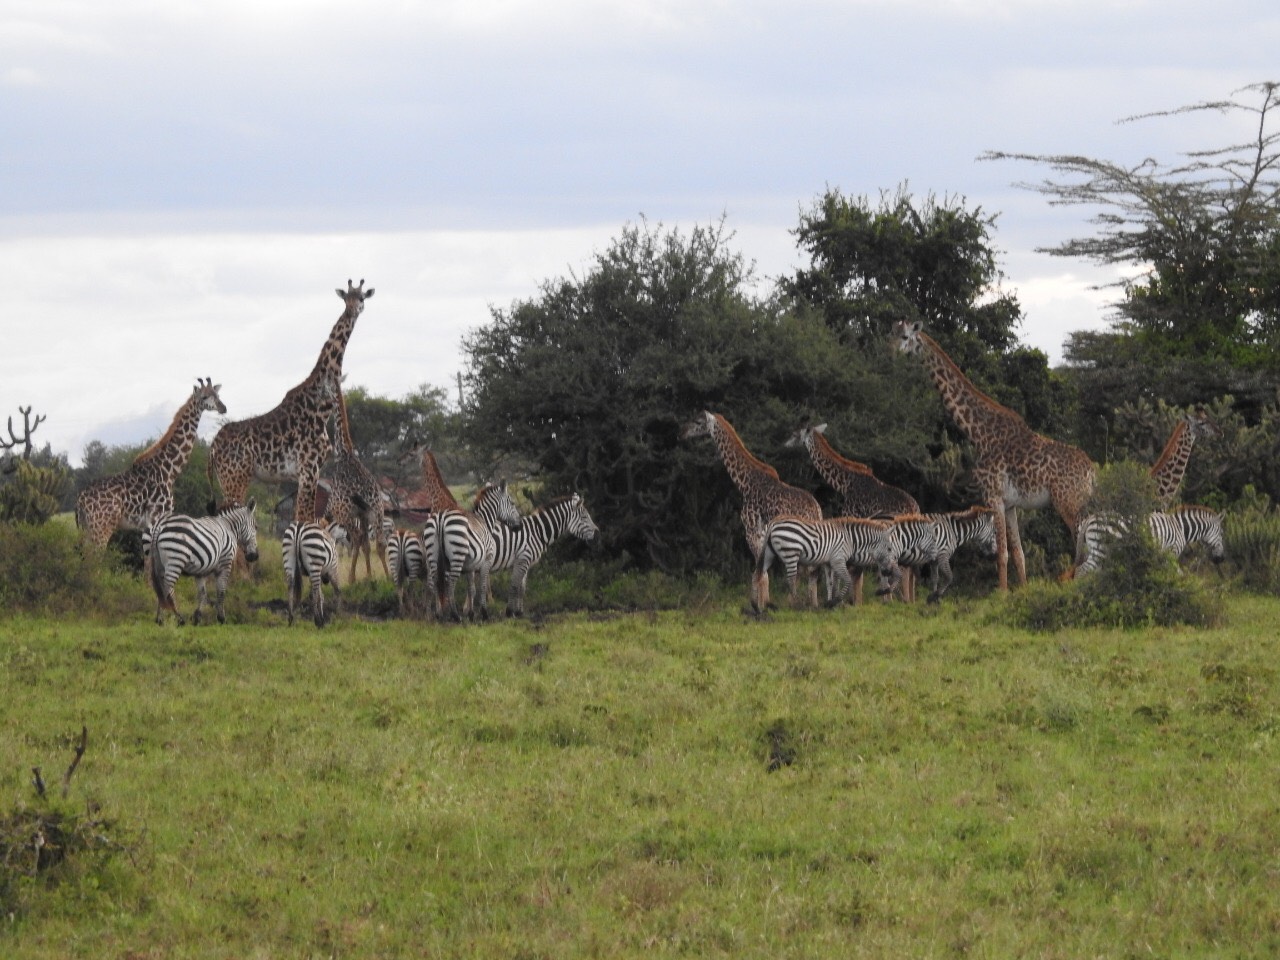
(590, 382)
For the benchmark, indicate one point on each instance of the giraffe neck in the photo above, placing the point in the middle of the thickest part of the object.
(331, 354)
(979, 417)
(744, 469)
(1169, 470)
(170, 453)
(438, 493)
(831, 466)
(344, 445)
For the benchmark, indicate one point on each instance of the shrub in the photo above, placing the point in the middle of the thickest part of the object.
(1252, 533)
(44, 568)
(1135, 585)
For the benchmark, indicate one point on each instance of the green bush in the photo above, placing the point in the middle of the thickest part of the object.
(1252, 533)
(1135, 585)
(43, 568)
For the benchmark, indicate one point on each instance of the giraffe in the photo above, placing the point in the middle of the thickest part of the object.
(1171, 466)
(764, 495)
(440, 497)
(355, 499)
(1015, 467)
(290, 442)
(143, 493)
(861, 493)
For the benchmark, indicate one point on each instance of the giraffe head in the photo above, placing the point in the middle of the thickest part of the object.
(703, 425)
(354, 297)
(802, 436)
(1201, 424)
(906, 336)
(206, 394)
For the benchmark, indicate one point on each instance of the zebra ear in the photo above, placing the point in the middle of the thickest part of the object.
(252, 505)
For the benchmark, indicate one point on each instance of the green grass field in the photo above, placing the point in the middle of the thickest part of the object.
(875, 782)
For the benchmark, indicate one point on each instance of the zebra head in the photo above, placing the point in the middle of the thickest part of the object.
(206, 395)
(494, 505)
(906, 336)
(983, 529)
(580, 523)
(244, 527)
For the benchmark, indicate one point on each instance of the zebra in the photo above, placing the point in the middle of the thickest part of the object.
(1172, 530)
(309, 551)
(931, 539)
(177, 544)
(459, 541)
(519, 549)
(835, 545)
(406, 559)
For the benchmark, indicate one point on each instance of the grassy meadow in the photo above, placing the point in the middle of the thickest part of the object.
(883, 781)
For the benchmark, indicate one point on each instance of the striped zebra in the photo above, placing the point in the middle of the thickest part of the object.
(931, 539)
(459, 541)
(520, 548)
(406, 559)
(834, 545)
(309, 551)
(199, 547)
(1173, 531)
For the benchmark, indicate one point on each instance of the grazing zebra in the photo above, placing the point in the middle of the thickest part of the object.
(199, 547)
(519, 549)
(833, 544)
(309, 551)
(1174, 531)
(459, 541)
(930, 540)
(407, 560)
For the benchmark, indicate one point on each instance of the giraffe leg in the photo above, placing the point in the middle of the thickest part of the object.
(1015, 546)
(1002, 545)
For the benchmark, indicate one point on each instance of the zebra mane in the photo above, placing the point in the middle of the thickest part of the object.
(1194, 508)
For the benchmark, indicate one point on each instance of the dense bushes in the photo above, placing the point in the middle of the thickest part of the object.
(43, 568)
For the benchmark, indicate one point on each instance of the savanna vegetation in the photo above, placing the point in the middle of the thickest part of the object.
(1075, 769)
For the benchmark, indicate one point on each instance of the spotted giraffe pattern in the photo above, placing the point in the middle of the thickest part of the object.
(764, 495)
(862, 494)
(1016, 467)
(1171, 466)
(290, 442)
(355, 499)
(142, 494)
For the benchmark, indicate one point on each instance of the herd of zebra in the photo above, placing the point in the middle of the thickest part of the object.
(492, 535)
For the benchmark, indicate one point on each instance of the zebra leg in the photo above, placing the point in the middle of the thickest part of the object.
(317, 599)
(482, 592)
(942, 577)
(792, 568)
(202, 595)
(220, 596)
(838, 583)
(515, 595)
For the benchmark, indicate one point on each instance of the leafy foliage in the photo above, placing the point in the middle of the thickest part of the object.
(33, 494)
(591, 382)
(1252, 534)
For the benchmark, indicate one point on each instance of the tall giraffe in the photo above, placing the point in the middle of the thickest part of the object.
(355, 499)
(764, 494)
(290, 442)
(144, 492)
(1171, 466)
(1015, 467)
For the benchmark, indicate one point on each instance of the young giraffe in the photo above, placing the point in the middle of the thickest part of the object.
(764, 495)
(861, 493)
(1016, 467)
(292, 441)
(355, 499)
(144, 493)
(1170, 468)
(440, 497)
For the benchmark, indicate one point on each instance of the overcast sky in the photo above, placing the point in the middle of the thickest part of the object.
(183, 184)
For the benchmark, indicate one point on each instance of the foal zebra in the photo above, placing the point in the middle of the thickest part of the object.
(460, 541)
(1173, 531)
(520, 548)
(407, 560)
(309, 551)
(199, 547)
(834, 544)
